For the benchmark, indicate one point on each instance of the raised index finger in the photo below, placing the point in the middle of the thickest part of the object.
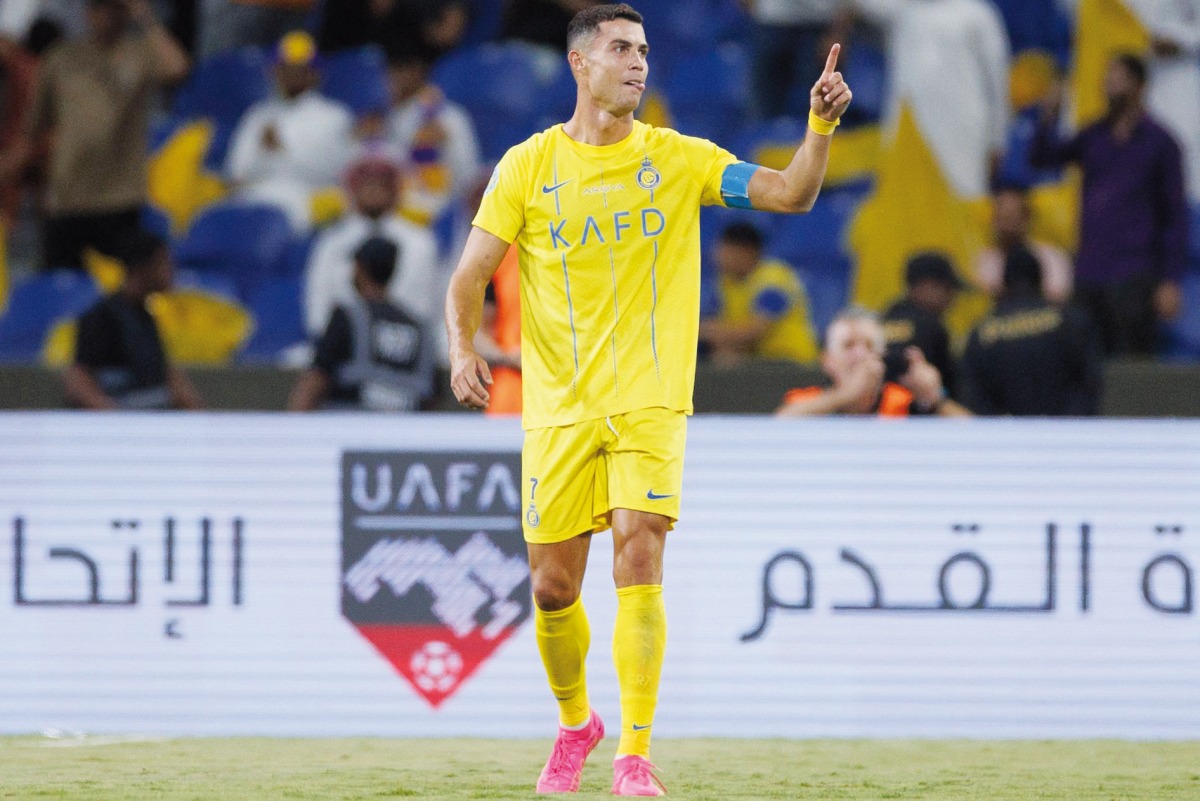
(831, 62)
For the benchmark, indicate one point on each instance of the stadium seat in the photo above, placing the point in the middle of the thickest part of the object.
(279, 319)
(156, 221)
(358, 79)
(771, 143)
(821, 232)
(827, 281)
(295, 257)
(510, 89)
(1182, 335)
(36, 304)
(212, 283)
(487, 17)
(1194, 245)
(677, 27)
(245, 243)
(1036, 25)
(221, 87)
(707, 92)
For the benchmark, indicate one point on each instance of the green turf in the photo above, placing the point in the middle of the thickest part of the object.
(32, 769)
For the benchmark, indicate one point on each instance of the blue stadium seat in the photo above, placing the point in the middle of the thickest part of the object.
(510, 89)
(156, 221)
(1194, 245)
(677, 27)
(36, 304)
(279, 319)
(707, 92)
(222, 86)
(358, 79)
(827, 281)
(212, 283)
(819, 233)
(218, 147)
(781, 132)
(1035, 25)
(1182, 336)
(245, 243)
(295, 257)
(487, 16)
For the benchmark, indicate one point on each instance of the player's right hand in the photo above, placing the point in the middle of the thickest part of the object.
(469, 377)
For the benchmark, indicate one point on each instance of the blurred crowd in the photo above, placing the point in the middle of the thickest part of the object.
(290, 181)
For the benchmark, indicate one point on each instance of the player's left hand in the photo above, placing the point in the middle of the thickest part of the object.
(830, 95)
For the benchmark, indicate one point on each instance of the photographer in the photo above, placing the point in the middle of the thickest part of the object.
(853, 358)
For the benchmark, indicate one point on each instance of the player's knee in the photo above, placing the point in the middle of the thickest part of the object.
(553, 592)
(639, 559)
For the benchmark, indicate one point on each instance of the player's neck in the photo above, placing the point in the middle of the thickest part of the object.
(591, 125)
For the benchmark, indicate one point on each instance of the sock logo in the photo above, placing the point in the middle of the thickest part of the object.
(636, 727)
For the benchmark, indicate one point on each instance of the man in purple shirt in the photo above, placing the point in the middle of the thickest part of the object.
(1133, 217)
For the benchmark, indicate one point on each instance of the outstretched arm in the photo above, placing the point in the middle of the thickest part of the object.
(469, 373)
(795, 189)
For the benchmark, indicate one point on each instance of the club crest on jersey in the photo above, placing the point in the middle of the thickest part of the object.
(434, 572)
(647, 176)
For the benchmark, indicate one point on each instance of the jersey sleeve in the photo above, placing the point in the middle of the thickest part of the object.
(502, 210)
(709, 163)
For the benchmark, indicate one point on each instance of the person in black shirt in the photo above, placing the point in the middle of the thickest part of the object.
(373, 355)
(119, 358)
(1030, 356)
(916, 319)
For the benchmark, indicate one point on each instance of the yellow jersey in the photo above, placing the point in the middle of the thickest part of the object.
(608, 241)
(773, 291)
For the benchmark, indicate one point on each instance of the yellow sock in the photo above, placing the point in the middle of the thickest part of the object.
(563, 638)
(639, 641)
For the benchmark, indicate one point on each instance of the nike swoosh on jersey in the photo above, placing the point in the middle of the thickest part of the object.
(555, 187)
(651, 495)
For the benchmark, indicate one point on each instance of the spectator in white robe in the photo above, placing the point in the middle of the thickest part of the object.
(373, 184)
(1173, 95)
(289, 146)
(948, 60)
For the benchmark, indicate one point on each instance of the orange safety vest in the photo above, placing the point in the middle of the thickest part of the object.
(506, 381)
(895, 401)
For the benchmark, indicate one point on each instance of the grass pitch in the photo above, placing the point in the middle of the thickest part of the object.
(111, 769)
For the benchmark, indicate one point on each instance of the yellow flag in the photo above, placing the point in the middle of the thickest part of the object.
(1104, 29)
(913, 208)
(177, 181)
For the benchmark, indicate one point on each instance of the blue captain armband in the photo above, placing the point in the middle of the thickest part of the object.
(735, 184)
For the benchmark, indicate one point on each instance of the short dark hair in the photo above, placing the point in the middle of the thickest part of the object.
(588, 21)
(1134, 64)
(377, 258)
(139, 249)
(742, 233)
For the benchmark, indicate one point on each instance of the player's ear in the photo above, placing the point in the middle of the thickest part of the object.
(576, 60)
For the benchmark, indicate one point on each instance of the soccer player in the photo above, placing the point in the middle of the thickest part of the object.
(604, 211)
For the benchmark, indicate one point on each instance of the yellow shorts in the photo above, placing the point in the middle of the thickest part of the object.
(574, 476)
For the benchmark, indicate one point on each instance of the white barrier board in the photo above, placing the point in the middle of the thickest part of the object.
(364, 575)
